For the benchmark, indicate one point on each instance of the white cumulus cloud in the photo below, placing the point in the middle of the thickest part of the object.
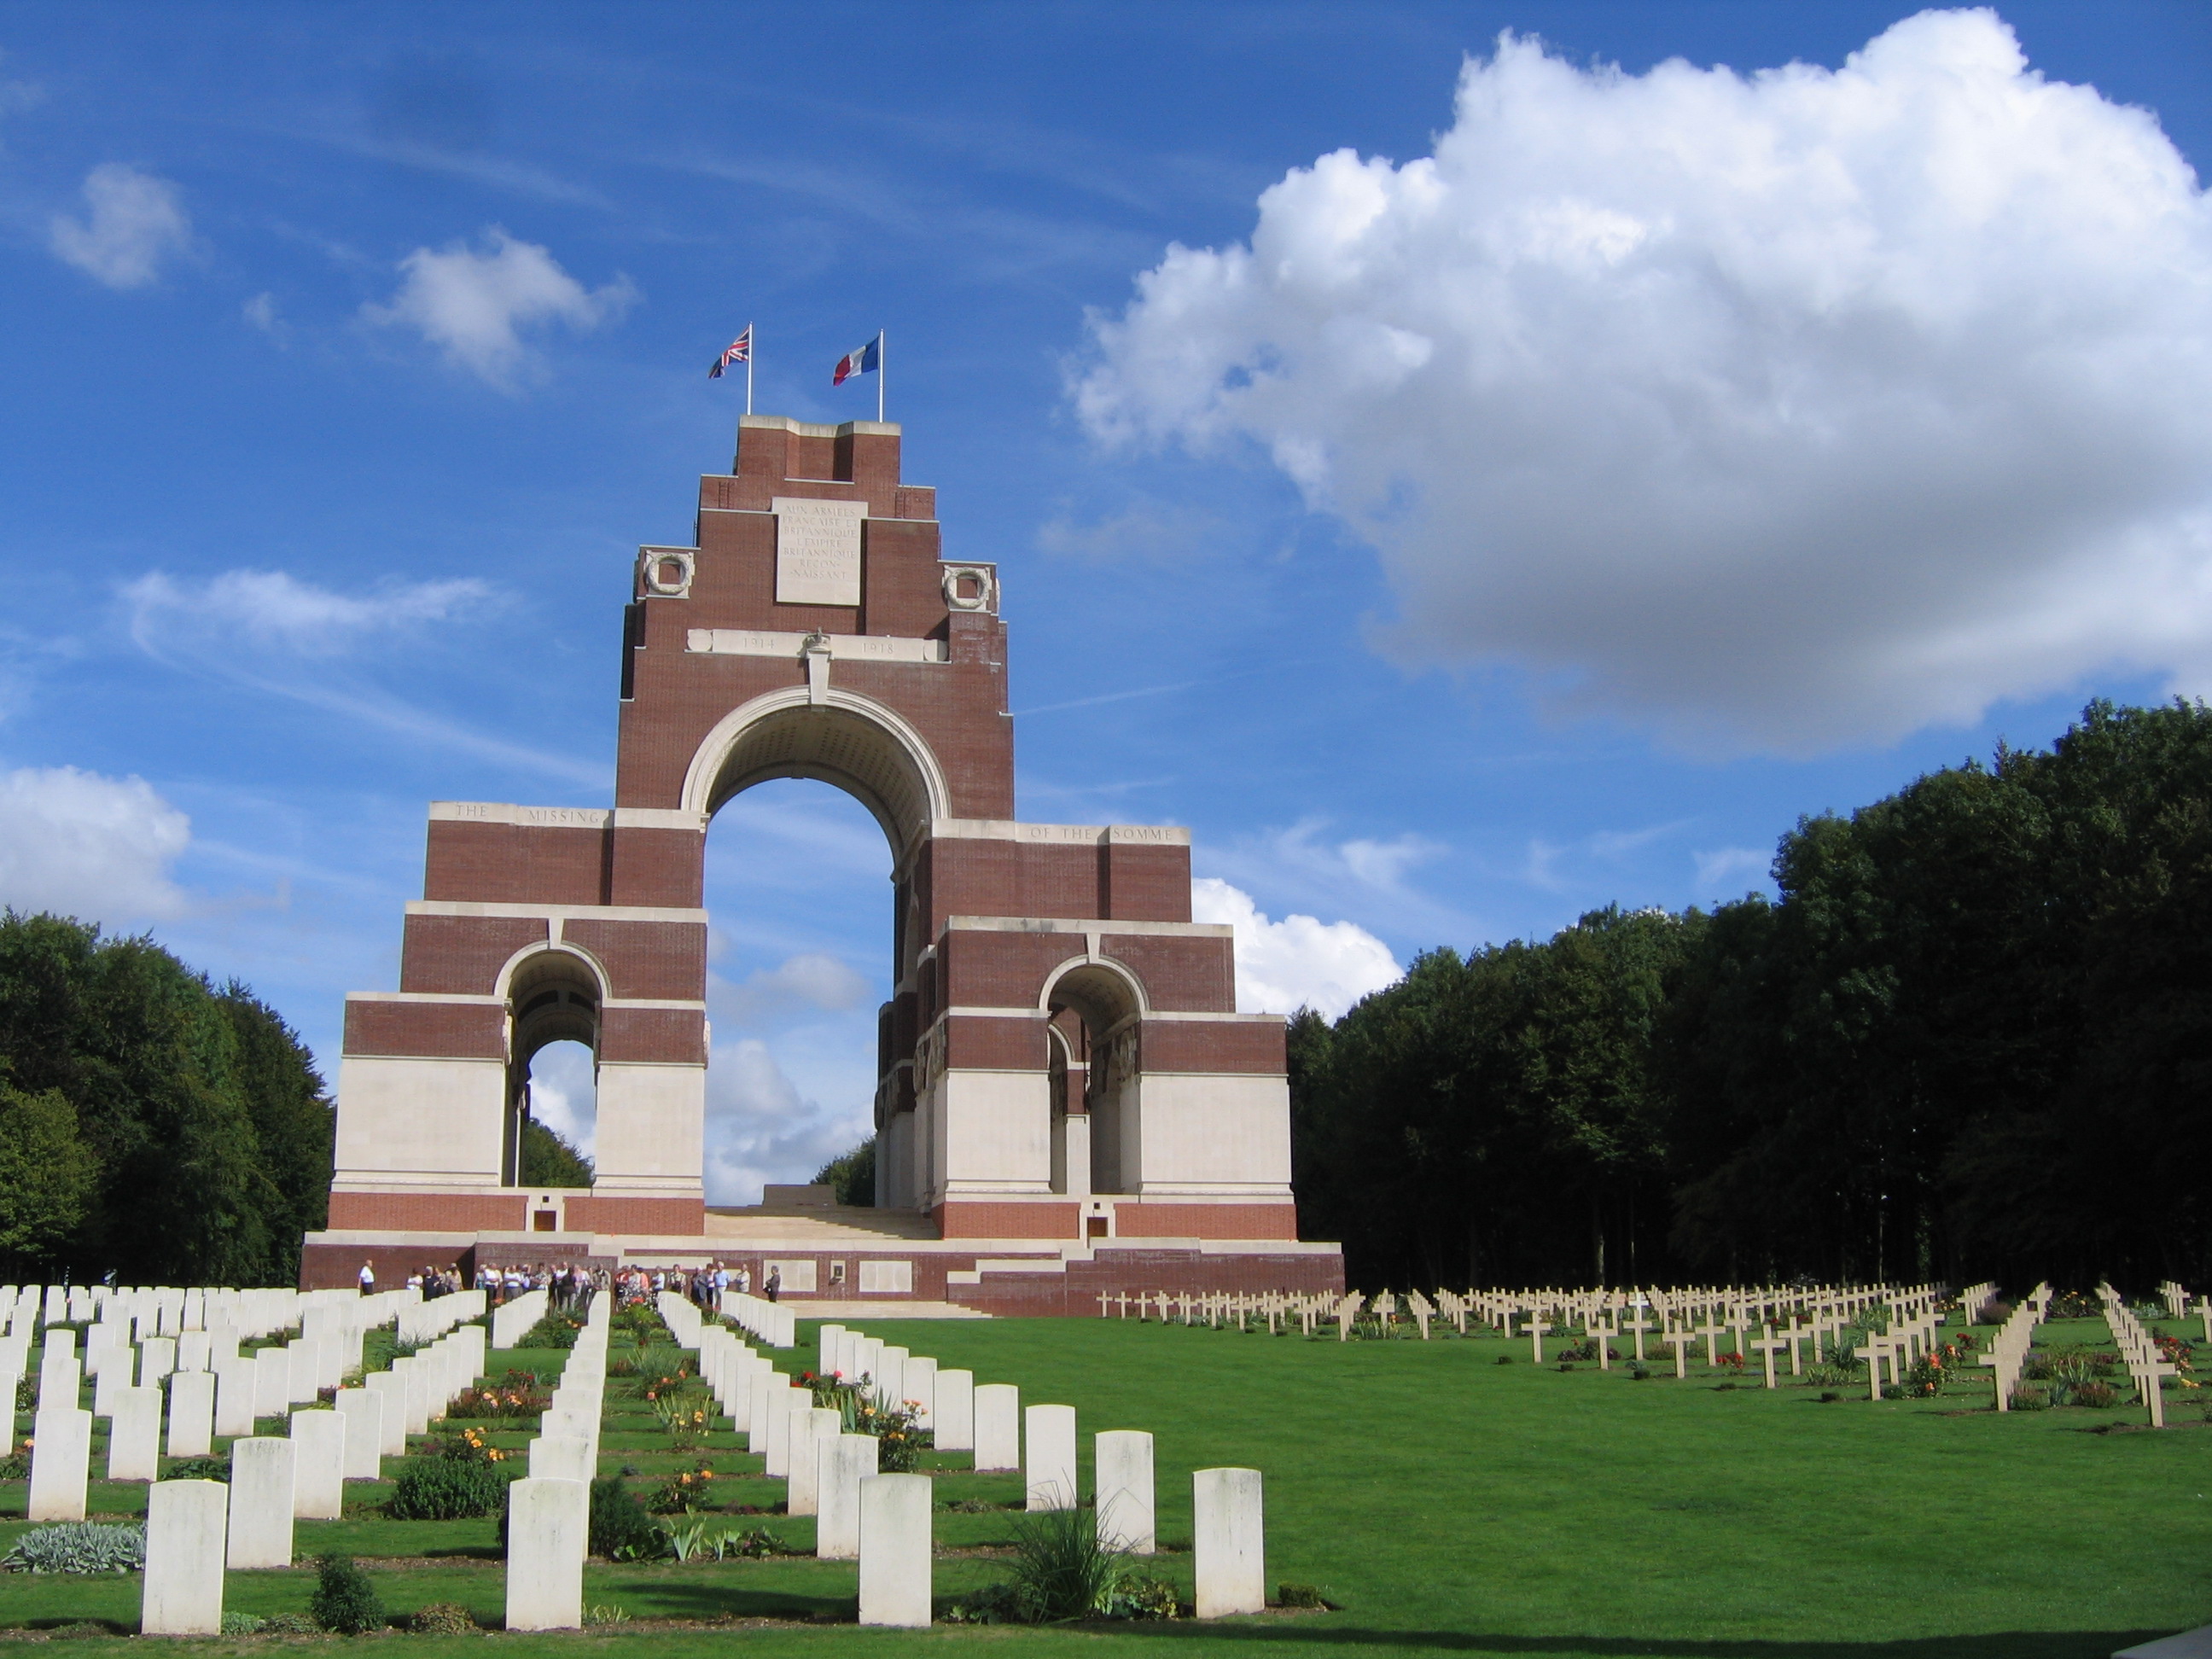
(133, 221)
(1770, 412)
(1299, 962)
(565, 1093)
(275, 608)
(94, 847)
(761, 1127)
(472, 303)
(813, 980)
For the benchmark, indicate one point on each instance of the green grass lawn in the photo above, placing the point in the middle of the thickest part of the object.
(1450, 1504)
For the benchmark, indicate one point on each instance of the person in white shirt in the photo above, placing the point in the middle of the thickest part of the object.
(367, 1279)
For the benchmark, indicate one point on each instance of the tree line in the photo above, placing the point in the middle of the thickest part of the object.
(150, 1123)
(1971, 1038)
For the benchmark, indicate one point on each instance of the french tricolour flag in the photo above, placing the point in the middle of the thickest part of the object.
(861, 360)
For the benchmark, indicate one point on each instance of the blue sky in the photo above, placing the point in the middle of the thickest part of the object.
(1494, 538)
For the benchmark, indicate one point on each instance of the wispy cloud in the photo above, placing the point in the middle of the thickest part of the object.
(133, 221)
(274, 608)
(813, 982)
(1362, 877)
(1735, 868)
(472, 304)
(300, 637)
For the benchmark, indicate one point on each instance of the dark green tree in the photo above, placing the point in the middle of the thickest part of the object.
(47, 1178)
(549, 1160)
(852, 1175)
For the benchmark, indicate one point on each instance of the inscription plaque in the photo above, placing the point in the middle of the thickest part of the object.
(817, 550)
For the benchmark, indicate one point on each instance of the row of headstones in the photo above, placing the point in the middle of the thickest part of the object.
(989, 1421)
(2177, 1304)
(274, 1480)
(1221, 1308)
(422, 1322)
(770, 1322)
(163, 1309)
(2139, 1352)
(548, 1524)
(2006, 1352)
(196, 1529)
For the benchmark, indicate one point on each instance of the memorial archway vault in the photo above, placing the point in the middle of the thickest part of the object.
(1044, 976)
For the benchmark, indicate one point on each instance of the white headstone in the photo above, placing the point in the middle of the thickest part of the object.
(156, 1359)
(1048, 1457)
(547, 1527)
(921, 1388)
(260, 1502)
(808, 1428)
(392, 1391)
(61, 1458)
(318, 1450)
(762, 1388)
(1126, 1501)
(234, 1399)
(561, 1457)
(60, 1376)
(134, 1436)
(182, 1594)
(954, 1411)
(191, 1413)
(272, 1382)
(300, 1381)
(895, 1550)
(363, 1412)
(1229, 1553)
(890, 1375)
(998, 1426)
(842, 1462)
(782, 1406)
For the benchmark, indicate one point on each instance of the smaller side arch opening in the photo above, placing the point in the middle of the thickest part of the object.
(553, 1000)
(1097, 1009)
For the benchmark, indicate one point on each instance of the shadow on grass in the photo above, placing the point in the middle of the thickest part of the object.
(666, 1599)
(2001, 1644)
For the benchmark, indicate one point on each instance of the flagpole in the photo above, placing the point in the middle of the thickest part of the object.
(881, 355)
(752, 345)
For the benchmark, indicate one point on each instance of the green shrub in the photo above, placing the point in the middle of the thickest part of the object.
(200, 1468)
(446, 1488)
(2024, 1399)
(442, 1618)
(241, 1624)
(556, 1330)
(79, 1546)
(621, 1528)
(2099, 1396)
(1300, 1595)
(344, 1601)
(1060, 1569)
(290, 1624)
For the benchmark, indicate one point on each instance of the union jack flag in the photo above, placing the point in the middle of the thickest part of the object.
(740, 351)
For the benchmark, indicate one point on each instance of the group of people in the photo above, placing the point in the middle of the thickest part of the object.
(571, 1285)
(702, 1286)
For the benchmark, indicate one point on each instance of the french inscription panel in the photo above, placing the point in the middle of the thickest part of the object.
(817, 550)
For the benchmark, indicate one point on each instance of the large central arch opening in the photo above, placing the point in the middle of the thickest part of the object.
(798, 964)
(814, 797)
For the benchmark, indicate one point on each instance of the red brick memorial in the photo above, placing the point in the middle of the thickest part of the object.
(1068, 1101)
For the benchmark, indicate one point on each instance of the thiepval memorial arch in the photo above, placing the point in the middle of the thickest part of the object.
(1068, 1101)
